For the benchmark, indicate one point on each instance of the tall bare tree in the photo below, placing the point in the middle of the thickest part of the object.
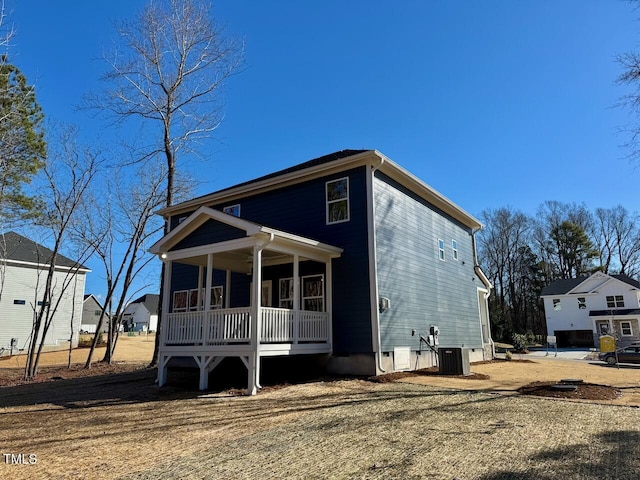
(167, 75)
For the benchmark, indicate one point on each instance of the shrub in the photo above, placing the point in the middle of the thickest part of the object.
(520, 343)
(508, 355)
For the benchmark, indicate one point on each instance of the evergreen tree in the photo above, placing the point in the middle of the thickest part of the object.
(22, 145)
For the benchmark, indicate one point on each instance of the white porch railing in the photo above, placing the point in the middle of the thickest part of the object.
(233, 325)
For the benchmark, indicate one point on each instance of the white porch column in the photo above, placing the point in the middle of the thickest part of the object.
(208, 280)
(164, 323)
(200, 272)
(227, 290)
(296, 298)
(256, 324)
(328, 292)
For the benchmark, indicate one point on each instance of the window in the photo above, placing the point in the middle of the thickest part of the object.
(625, 329)
(19, 302)
(556, 304)
(217, 297)
(441, 249)
(232, 210)
(193, 300)
(180, 301)
(285, 297)
(616, 301)
(338, 201)
(454, 247)
(96, 313)
(313, 293)
(582, 303)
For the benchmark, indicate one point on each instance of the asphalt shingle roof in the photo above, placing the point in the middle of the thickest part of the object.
(22, 249)
(150, 300)
(560, 287)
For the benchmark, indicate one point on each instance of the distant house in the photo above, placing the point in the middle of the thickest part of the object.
(353, 259)
(25, 266)
(579, 310)
(91, 311)
(141, 315)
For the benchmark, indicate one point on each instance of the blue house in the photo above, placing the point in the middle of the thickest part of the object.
(353, 258)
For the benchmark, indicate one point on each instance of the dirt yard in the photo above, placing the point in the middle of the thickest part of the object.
(123, 426)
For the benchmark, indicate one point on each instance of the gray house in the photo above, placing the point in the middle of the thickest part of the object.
(91, 311)
(24, 265)
(354, 260)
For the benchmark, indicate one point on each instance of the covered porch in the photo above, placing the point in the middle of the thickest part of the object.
(209, 308)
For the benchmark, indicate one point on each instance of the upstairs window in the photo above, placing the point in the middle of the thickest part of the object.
(582, 303)
(441, 249)
(338, 201)
(556, 304)
(454, 247)
(616, 301)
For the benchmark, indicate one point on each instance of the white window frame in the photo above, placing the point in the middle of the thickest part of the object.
(441, 249)
(217, 297)
(305, 297)
(232, 210)
(283, 287)
(337, 200)
(186, 301)
(617, 301)
(622, 329)
(454, 248)
(557, 304)
(582, 303)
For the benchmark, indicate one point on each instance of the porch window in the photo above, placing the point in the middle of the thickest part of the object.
(616, 301)
(338, 200)
(625, 329)
(454, 247)
(313, 293)
(180, 300)
(441, 249)
(556, 304)
(193, 300)
(582, 303)
(217, 297)
(285, 297)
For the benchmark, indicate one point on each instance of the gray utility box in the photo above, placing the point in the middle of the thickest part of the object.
(454, 361)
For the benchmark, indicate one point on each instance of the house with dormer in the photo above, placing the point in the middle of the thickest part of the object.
(347, 257)
(580, 310)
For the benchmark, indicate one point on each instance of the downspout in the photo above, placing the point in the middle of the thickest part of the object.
(374, 300)
(258, 300)
(483, 278)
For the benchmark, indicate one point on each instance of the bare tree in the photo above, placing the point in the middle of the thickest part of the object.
(617, 235)
(124, 219)
(68, 173)
(167, 75)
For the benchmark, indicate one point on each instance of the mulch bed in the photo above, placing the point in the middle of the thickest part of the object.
(583, 391)
(431, 371)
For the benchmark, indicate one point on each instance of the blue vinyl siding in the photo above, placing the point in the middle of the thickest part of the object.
(301, 209)
(423, 290)
(211, 231)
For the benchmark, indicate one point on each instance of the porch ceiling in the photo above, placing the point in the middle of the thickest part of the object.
(240, 260)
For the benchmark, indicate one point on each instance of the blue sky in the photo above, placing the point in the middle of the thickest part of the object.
(493, 103)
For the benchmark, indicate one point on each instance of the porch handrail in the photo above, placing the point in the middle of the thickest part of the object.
(233, 325)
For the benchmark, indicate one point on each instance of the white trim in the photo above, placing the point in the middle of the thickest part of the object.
(43, 266)
(630, 328)
(454, 248)
(441, 250)
(330, 202)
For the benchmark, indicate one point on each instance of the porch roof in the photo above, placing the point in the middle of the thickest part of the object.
(615, 313)
(278, 246)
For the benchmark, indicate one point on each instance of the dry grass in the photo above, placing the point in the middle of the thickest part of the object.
(123, 426)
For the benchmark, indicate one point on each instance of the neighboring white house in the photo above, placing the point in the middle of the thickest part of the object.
(141, 315)
(24, 268)
(579, 310)
(91, 311)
